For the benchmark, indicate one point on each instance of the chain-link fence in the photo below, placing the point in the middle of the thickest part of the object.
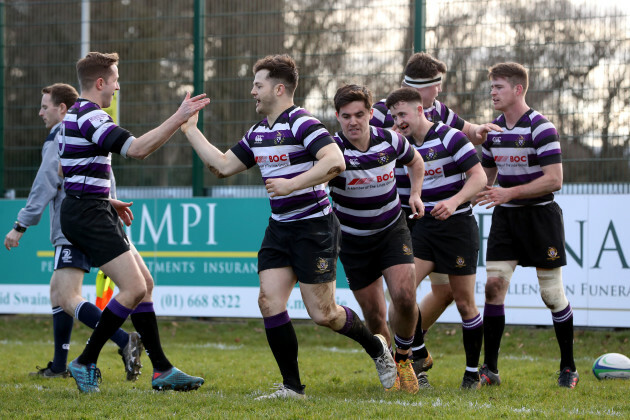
(578, 54)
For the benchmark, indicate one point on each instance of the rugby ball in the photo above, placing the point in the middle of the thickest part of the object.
(612, 365)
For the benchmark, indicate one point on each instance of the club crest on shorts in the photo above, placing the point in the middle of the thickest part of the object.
(406, 250)
(322, 265)
(383, 158)
(460, 262)
(552, 254)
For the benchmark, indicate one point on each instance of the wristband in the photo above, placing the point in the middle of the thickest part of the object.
(19, 227)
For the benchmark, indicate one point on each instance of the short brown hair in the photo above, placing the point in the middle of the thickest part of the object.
(422, 66)
(93, 66)
(352, 93)
(61, 93)
(405, 94)
(514, 73)
(282, 68)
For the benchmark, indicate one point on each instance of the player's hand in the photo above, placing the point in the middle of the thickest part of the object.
(417, 206)
(481, 132)
(123, 210)
(443, 210)
(278, 187)
(191, 106)
(12, 240)
(493, 196)
(191, 123)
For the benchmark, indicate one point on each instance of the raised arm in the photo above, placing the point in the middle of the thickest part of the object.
(219, 163)
(477, 133)
(143, 146)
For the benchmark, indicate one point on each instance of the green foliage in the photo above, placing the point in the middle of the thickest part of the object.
(233, 357)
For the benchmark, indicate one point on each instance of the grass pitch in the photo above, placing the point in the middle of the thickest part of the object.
(341, 382)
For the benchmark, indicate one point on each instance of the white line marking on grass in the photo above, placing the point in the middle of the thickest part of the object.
(438, 403)
(340, 350)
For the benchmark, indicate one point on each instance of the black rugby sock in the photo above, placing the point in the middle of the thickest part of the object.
(62, 330)
(145, 323)
(563, 326)
(108, 324)
(472, 330)
(356, 330)
(89, 314)
(419, 349)
(494, 324)
(284, 346)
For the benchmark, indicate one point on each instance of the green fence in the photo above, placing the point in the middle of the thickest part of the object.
(578, 54)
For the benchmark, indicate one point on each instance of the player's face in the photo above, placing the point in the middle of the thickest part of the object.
(503, 94)
(429, 94)
(110, 85)
(355, 121)
(407, 117)
(263, 90)
(49, 112)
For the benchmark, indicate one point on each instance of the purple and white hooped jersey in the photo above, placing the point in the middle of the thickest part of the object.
(519, 153)
(86, 140)
(382, 117)
(364, 196)
(287, 150)
(447, 155)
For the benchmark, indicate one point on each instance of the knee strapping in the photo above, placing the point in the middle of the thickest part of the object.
(500, 269)
(551, 289)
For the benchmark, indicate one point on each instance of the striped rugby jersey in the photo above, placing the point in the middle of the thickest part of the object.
(87, 138)
(519, 153)
(447, 155)
(439, 112)
(285, 151)
(382, 117)
(364, 196)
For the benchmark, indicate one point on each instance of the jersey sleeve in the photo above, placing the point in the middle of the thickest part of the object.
(243, 152)
(404, 150)
(310, 132)
(546, 141)
(381, 117)
(99, 128)
(463, 151)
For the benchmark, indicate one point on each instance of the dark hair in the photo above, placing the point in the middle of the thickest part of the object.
(405, 94)
(61, 93)
(352, 93)
(515, 73)
(281, 68)
(93, 66)
(422, 65)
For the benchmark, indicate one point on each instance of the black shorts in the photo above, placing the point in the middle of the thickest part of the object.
(94, 227)
(452, 244)
(365, 257)
(71, 256)
(310, 247)
(531, 235)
